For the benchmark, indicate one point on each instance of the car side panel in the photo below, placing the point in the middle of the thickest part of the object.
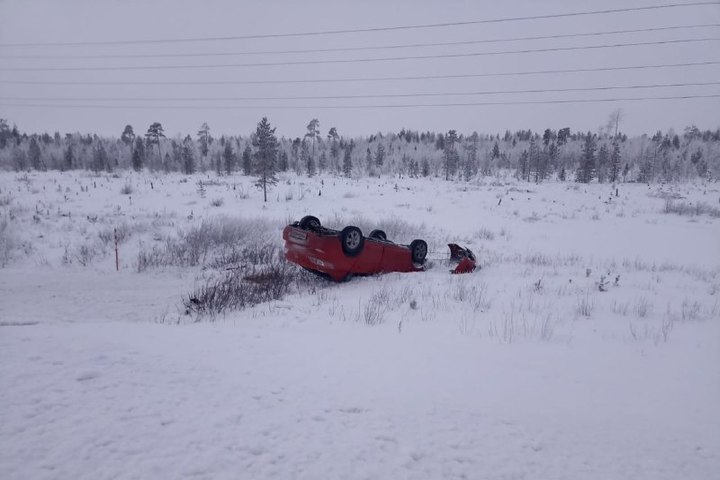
(397, 258)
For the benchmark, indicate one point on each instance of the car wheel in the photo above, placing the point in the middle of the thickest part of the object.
(378, 235)
(418, 251)
(352, 241)
(310, 223)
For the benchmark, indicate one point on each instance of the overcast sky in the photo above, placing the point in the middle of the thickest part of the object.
(235, 108)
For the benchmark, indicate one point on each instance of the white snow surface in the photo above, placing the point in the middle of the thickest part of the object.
(490, 375)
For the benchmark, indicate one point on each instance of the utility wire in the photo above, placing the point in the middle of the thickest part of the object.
(359, 60)
(368, 30)
(356, 49)
(337, 107)
(363, 79)
(364, 96)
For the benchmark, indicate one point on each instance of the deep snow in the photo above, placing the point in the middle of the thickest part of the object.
(479, 376)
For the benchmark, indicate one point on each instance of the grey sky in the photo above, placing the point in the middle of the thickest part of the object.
(39, 21)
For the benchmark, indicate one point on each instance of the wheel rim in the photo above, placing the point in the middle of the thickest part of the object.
(420, 251)
(352, 240)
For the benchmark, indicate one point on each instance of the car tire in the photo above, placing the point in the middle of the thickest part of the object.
(352, 241)
(378, 235)
(310, 223)
(418, 251)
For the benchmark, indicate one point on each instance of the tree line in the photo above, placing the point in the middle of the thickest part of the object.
(559, 154)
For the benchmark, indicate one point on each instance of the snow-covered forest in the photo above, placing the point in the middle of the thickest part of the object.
(606, 156)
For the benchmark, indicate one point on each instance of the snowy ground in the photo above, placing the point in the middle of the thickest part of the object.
(522, 370)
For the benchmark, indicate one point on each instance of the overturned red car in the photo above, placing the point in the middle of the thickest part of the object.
(340, 254)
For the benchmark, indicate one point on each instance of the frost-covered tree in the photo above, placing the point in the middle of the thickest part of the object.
(587, 169)
(138, 155)
(128, 138)
(313, 131)
(333, 137)
(228, 158)
(68, 158)
(247, 160)
(34, 153)
(204, 139)
(265, 156)
(615, 159)
(450, 155)
(603, 161)
(379, 155)
(188, 156)
(154, 134)
(347, 159)
(99, 158)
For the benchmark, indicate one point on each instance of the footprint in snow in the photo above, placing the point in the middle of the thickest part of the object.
(84, 376)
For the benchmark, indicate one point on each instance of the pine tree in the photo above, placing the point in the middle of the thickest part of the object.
(615, 163)
(495, 151)
(347, 159)
(204, 139)
(5, 133)
(247, 160)
(450, 155)
(306, 158)
(188, 156)
(425, 167)
(523, 168)
(587, 169)
(34, 153)
(313, 129)
(283, 161)
(603, 160)
(228, 158)
(69, 158)
(265, 156)
(322, 163)
(153, 136)
(128, 138)
(380, 155)
(534, 160)
(19, 158)
(334, 148)
(99, 161)
(138, 156)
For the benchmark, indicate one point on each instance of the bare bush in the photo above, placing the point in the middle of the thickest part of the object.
(127, 189)
(216, 242)
(585, 305)
(217, 202)
(642, 307)
(690, 209)
(690, 311)
(8, 242)
(235, 290)
(122, 232)
(484, 234)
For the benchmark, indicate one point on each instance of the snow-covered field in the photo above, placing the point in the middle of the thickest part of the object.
(524, 369)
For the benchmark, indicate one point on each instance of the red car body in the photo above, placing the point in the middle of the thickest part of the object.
(321, 250)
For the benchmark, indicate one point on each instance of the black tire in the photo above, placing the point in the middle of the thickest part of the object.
(352, 241)
(310, 223)
(418, 251)
(378, 235)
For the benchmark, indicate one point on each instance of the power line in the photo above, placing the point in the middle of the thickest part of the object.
(360, 60)
(365, 79)
(337, 107)
(355, 49)
(368, 30)
(363, 96)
